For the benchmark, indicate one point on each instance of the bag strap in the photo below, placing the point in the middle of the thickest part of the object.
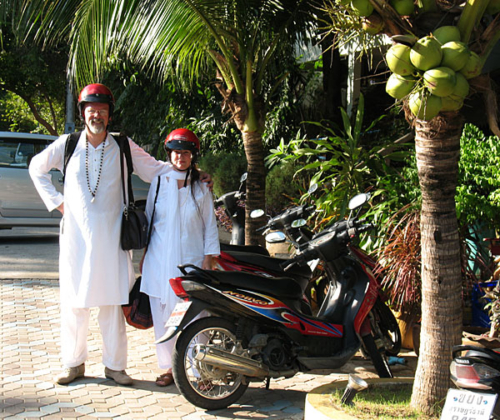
(125, 150)
(153, 214)
(69, 148)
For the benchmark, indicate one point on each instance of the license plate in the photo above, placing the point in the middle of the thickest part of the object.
(177, 314)
(466, 405)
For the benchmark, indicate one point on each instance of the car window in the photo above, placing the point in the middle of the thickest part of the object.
(17, 153)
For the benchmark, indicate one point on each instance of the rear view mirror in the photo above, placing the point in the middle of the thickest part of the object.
(298, 223)
(358, 201)
(255, 214)
(275, 237)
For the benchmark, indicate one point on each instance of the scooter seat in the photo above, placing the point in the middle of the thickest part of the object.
(283, 287)
(255, 249)
(273, 264)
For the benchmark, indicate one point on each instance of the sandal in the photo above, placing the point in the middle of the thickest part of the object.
(206, 385)
(165, 379)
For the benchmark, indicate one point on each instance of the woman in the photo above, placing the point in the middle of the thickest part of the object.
(184, 231)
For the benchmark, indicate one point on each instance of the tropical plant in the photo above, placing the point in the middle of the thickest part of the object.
(36, 77)
(342, 164)
(437, 141)
(242, 43)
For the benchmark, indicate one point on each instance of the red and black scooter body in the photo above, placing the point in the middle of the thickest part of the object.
(273, 305)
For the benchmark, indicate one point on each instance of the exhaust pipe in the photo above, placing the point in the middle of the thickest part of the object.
(228, 361)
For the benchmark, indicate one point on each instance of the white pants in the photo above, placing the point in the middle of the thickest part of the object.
(164, 350)
(74, 334)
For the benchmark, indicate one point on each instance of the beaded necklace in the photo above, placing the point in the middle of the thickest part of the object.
(93, 193)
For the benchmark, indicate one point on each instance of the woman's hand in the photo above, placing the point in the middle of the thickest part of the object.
(207, 262)
(61, 208)
(207, 178)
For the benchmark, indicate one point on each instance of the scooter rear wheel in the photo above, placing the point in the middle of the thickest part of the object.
(377, 358)
(205, 385)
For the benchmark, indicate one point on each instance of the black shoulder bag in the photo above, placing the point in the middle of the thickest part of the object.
(138, 310)
(134, 231)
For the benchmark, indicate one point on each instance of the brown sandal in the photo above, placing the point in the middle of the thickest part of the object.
(165, 379)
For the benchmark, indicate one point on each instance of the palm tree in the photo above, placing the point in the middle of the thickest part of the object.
(242, 42)
(437, 151)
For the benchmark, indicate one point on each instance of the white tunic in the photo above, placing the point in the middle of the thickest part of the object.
(182, 234)
(93, 269)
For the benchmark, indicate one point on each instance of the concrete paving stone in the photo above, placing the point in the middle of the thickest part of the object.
(186, 409)
(33, 414)
(121, 410)
(11, 386)
(11, 401)
(153, 410)
(103, 415)
(13, 409)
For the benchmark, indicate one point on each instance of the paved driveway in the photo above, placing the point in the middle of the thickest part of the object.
(30, 359)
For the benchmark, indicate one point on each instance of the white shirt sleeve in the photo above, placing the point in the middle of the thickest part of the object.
(41, 164)
(145, 165)
(151, 199)
(211, 234)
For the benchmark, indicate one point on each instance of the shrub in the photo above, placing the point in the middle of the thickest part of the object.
(282, 188)
(226, 170)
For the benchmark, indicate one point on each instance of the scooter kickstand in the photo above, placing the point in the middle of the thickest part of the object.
(268, 382)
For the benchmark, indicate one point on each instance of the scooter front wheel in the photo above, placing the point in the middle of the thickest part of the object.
(378, 360)
(202, 384)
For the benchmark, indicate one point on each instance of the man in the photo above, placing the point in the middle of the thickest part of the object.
(93, 269)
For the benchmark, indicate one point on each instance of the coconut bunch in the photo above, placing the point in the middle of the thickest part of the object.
(432, 72)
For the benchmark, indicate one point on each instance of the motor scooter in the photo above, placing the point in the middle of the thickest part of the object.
(235, 212)
(290, 225)
(256, 329)
(475, 370)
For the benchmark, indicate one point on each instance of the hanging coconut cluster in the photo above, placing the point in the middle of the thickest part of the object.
(432, 72)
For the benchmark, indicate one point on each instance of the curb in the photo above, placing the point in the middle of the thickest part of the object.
(318, 406)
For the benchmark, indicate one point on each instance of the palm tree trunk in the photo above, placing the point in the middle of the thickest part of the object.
(256, 184)
(437, 151)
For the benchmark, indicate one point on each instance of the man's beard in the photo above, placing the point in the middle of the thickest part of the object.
(96, 126)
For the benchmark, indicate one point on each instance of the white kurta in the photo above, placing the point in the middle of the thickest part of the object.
(182, 234)
(93, 269)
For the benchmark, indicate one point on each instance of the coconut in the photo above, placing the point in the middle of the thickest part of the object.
(461, 89)
(403, 7)
(373, 24)
(473, 66)
(455, 55)
(456, 100)
(398, 60)
(362, 7)
(451, 103)
(426, 53)
(399, 86)
(446, 34)
(424, 105)
(440, 81)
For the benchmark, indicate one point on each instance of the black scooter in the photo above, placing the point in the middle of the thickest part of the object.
(257, 330)
(235, 212)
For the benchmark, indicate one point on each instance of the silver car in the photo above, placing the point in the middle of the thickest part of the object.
(20, 204)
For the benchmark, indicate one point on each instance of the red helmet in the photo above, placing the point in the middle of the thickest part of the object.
(96, 93)
(182, 139)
